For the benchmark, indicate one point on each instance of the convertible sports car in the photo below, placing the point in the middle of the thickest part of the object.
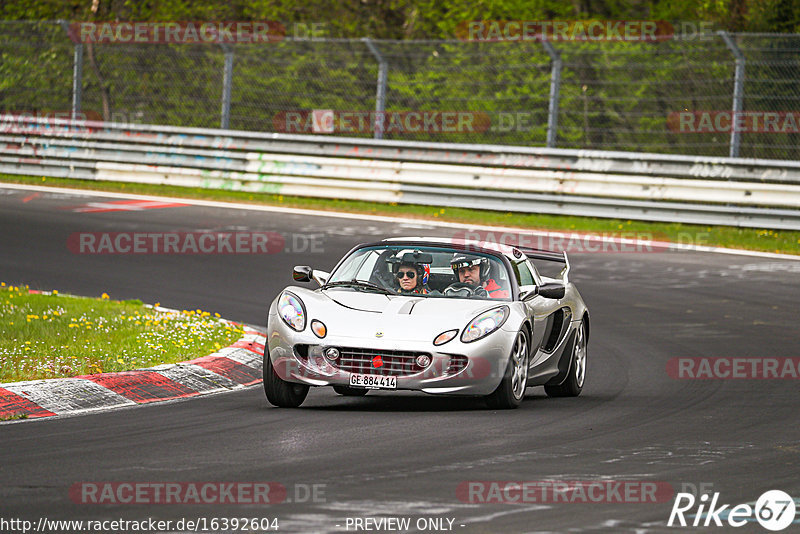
(436, 315)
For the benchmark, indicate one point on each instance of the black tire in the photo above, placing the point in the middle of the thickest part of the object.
(347, 391)
(576, 377)
(510, 392)
(280, 392)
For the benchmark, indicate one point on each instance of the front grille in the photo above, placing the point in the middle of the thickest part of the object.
(395, 362)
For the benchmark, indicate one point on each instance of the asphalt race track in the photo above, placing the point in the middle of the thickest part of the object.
(404, 455)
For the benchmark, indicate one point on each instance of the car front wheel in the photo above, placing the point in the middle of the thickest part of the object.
(280, 392)
(511, 391)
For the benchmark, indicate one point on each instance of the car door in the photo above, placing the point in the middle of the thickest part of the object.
(548, 315)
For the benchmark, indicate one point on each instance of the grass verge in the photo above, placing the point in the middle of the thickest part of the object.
(49, 335)
(786, 242)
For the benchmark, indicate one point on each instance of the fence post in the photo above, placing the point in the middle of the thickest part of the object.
(77, 73)
(380, 97)
(227, 81)
(738, 91)
(555, 90)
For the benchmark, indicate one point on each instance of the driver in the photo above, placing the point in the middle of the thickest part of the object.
(474, 270)
(411, 277)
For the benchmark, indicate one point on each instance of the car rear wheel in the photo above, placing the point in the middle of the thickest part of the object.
(573, 384)
(347, 391)
(511, 391)
(280, 392)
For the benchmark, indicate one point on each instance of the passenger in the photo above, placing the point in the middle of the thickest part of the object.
(411, 278)
(474, 270)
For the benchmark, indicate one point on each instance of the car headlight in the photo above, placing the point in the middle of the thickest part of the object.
(292, 311)
(484, 324)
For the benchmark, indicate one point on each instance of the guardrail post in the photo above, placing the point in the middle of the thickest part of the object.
(227, 81)
(555, 90)
(77, 73)
(738, 92)
(380, 97)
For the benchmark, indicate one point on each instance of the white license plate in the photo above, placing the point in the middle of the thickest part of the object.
(373, 381)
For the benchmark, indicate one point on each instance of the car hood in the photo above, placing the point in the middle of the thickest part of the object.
(360, 314)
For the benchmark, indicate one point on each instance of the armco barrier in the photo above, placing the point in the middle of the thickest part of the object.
(655, 187)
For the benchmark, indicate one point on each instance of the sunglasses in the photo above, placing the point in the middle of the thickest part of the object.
(406, 274)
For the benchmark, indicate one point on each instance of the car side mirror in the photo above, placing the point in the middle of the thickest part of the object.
(552, 291)
(302, 273)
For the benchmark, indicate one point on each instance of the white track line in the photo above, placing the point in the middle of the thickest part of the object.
(384, 218)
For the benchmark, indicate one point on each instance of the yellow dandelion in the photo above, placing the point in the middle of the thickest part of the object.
(104, 296)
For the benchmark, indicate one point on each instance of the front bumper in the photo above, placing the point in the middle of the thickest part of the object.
(456, 369)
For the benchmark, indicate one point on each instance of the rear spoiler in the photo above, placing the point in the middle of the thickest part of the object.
(549, 255)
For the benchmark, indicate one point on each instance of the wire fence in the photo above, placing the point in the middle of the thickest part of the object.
(714, 94)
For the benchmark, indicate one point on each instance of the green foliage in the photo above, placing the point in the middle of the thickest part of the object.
(424, 19)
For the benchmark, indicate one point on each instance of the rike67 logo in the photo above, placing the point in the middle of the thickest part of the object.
(774, 510)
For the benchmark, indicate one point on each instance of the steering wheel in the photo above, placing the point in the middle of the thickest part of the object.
(464, 289)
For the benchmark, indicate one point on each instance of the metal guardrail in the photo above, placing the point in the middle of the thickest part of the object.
(653, 187)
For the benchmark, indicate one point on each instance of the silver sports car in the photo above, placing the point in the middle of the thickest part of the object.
(437, 315)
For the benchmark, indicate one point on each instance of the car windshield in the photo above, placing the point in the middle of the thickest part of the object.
(422, 271)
